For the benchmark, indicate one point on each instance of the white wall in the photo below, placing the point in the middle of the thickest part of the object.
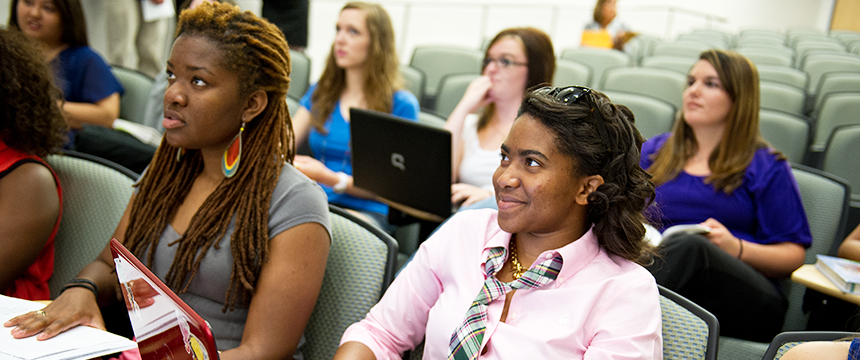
(468, 22)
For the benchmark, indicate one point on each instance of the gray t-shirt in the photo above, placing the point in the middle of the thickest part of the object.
(295, 200)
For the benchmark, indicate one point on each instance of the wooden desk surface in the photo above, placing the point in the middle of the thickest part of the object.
(807, 275)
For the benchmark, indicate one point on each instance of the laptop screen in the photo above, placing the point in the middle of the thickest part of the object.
(164, 326)
(403, 161)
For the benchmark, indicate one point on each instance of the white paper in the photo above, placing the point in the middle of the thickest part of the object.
(152, 11)
(76, 343)
(655, 237)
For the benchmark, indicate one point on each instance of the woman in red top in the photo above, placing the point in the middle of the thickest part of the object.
(31, 125)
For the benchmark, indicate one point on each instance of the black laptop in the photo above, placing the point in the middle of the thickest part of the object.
(405, 162)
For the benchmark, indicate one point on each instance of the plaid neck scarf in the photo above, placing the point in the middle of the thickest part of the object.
(465, 343)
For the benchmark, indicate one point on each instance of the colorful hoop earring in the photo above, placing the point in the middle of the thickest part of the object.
(233, 154)
(180, 152)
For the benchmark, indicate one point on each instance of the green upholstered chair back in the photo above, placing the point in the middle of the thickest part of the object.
(360, 267)
(133, 102)
(95, 195)
(689, 331)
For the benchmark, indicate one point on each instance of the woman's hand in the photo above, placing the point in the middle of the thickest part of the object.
(477, 94)
(314, 169)
(468, 194)
(775, 260)
(75, 306)
(722, 237)
(143, 293)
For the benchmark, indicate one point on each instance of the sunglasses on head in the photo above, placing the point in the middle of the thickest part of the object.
(569, 95)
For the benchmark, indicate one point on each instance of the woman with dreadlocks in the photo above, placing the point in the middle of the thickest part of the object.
(246, 244)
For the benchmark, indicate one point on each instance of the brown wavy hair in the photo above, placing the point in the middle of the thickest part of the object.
(615, 208)
(71, 17)
(30, 118)
(539, 55)
(381, 73)
(256, 50)
(741, 138)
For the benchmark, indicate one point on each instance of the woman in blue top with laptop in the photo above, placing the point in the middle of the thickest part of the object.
(716, 170)
(361, 72)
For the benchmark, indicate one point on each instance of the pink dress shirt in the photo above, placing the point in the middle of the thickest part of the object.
(600, 307)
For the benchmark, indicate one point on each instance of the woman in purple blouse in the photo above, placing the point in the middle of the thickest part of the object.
(716, 170)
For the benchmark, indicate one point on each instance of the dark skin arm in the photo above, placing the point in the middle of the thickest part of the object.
(285, 294)
(76, 306)
(101, 113)
(28, 212)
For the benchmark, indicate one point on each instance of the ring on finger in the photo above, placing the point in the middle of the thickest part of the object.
(41, 313)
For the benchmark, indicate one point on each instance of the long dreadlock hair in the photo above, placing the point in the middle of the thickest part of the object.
(256, 50)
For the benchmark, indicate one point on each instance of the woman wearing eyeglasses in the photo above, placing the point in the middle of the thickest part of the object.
(554, 273)
(517, 59)
(716, 170)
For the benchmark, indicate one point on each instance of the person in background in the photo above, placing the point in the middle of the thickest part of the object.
(715, 169)
(31, 127)
(90, 90)
(605, 31)
(132, 41)
(220, 215)
(516, 60)
(556, 269)
(361, 72)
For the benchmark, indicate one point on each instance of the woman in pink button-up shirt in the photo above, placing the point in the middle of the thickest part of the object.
(568, 184)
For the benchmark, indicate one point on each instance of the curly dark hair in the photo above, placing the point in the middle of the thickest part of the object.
(30, 117)
(615, 208)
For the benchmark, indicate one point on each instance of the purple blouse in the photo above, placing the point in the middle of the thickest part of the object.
(766, 208)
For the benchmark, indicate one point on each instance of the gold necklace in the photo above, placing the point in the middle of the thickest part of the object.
(516, 268)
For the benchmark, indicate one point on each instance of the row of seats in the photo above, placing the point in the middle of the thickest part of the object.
(325, 327)
(439, 77)
(362, 258)
(654, 93)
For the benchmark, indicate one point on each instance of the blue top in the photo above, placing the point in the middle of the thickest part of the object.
(84, 77)
(854, 349)
(333, 148)
(766, 208)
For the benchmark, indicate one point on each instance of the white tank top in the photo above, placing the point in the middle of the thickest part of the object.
(478, 165)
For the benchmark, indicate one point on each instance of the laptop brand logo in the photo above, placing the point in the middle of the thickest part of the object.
(397, 161)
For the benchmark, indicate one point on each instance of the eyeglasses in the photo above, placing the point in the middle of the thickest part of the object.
(503, 63)
(569, 95)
